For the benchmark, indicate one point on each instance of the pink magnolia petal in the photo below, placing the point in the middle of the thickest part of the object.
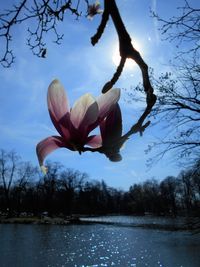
(57, 100)
(111, 132)
(58, 107)
(62, 126)
(111, 126)
(106, 102)
(84, 112)
(94, 141)
(48, 145)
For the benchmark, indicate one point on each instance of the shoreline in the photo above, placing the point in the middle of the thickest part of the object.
(38, 220)
(77, 220)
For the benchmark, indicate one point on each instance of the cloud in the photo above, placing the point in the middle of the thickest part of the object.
(155, 22)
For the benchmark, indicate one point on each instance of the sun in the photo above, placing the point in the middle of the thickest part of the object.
(130, 64)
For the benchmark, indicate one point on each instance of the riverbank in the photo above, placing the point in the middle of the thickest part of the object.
(147, 222)
(39, 220)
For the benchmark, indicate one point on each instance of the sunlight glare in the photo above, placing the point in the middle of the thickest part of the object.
(130, 64)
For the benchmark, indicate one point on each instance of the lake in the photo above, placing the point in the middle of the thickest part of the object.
(95, 245)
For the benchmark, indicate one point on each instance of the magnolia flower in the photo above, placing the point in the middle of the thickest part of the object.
(111, 134)
(75, 124)
(94, 10)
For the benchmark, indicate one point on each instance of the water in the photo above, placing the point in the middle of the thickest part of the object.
(96, 245)
(138, 220)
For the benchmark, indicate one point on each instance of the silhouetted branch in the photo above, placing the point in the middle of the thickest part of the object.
(45, 14)
(115, 77)
(182, 28)
(126, 50)
(100, 30)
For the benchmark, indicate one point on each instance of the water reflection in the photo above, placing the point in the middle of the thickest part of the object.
(137, 220)
(95, 246)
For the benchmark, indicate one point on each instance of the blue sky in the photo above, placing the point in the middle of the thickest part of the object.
(82, 68)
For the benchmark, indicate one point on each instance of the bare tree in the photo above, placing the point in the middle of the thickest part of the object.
(71, 182)
(49, 184)
(178, 108)
(136, 193)
(178, 91)
(151, 191)
(8, 172)
(187, 188)
(196, 178)
(169, 190)
(26, 172)
(183, 28)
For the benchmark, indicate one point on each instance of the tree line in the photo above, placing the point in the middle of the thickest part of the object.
(63, 191)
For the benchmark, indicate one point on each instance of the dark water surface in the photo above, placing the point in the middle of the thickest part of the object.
(95, 245)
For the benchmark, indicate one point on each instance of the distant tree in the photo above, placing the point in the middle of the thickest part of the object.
(48, 187)
(8, 173)
(115, 200)
(104, 198)
(152, 197)
(86, 199)
(136, 204)
(89, 198)
(71, 183)
(68, 191)
(2, 200)
(187, 190)
(196, 178)
(26, 172)
(95, 198)
(169, 191)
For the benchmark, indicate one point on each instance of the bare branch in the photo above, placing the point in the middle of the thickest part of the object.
(127, 50)
(45, 15)
(183, 28)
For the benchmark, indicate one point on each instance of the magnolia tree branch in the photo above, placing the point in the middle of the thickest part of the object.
(126, 50)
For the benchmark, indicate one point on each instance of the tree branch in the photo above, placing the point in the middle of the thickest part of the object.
(126, 50)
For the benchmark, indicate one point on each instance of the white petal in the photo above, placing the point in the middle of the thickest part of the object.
(57, 100)
(84, 112)
(94, 141)
(106, 102)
